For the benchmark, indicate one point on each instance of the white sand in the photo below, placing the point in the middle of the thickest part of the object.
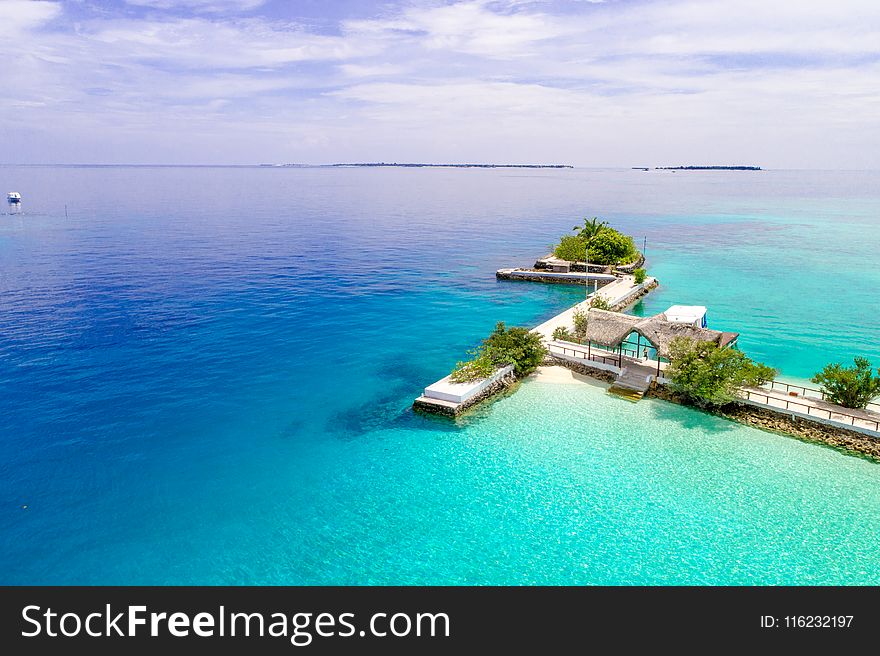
(562, 376)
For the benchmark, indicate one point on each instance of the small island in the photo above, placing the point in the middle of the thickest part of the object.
(707, 168)
(595, 253)
(420, 165)
(454, 166)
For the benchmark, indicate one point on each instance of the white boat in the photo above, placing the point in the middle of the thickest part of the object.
(13, 197)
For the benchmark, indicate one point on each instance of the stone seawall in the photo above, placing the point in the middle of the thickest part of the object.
(581, 368)
(778, 421)
(537, 276)
(626, 301)
(423, 404)
(629, 268)
(595, 268)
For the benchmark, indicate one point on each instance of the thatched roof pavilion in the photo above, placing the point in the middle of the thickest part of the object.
(610, 329)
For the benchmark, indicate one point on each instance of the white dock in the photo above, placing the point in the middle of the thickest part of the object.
(448, 398)
(615, 293)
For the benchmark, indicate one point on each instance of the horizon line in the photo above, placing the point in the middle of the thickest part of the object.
(377, 165)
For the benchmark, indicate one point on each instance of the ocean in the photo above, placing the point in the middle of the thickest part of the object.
(206, 377)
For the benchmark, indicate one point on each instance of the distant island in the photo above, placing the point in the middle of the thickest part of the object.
(418, 165)
(706, 168)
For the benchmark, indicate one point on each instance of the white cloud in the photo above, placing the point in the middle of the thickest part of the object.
(200, 6)
(17, 16)
(786, 83)
(195, 42)
(371, 70)
(469, 27)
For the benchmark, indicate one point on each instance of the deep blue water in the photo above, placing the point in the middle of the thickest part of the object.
(206, 376)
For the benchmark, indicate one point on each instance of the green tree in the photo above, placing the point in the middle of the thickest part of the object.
(709, 375)
(851, 387)
(591, 228)
(517, 346)
(612, 247)
(640, 275)
(599, 243)
(571, 248)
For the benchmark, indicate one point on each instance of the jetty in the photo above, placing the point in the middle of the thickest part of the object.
(446, 397)
(551, 269)
(563, 277)
(632, 353)
(621, 293)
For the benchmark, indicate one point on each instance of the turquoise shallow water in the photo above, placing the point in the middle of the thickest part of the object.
(206, 376)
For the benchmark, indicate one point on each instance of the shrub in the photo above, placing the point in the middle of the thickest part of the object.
(562, 333)
(517, 346)
(479, 367)
(709, 375)
(571, 248)
(640, 275)
(612, 247)
(607, 245)
(600, 303)
(851, 387)
(580, 324)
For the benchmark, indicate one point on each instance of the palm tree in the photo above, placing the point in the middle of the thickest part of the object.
(591, 228)
(587, 232)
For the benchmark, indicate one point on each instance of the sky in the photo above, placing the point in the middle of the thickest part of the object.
(774, 83)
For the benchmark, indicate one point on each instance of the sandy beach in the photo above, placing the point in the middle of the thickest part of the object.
(561, 376)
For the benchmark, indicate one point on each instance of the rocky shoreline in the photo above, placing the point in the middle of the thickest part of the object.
(778, 421)
(626, 301)
(531, 275)
(849, 441)
(542, 271)
(541, 263)
(449, 410)
(579, 368)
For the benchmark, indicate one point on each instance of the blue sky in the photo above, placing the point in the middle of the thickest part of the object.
(785, 83)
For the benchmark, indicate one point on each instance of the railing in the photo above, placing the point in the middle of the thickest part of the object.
(788, 387)
(604, 359)
(812, 410)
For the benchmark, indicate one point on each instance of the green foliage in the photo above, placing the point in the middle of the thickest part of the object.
(606, 245)
(562, 333)
(571, 248)
(612, 247)
(580, 324)
(851, 387)
(640, 275)
(517, 346)
(479, 367)
(709, 375)
(600, 303)
(591, 228)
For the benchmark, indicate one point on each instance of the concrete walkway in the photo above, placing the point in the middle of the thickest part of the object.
(614, 293)
(565, 318)
(806, 406)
